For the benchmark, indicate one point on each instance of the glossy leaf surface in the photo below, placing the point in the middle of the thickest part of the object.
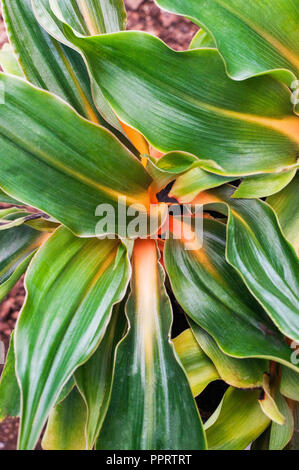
(234, 128)
(286, 205)
(265, 33)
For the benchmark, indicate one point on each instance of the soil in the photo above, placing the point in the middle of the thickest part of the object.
(177, 32)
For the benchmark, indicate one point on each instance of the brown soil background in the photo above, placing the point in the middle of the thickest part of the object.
(143, 15)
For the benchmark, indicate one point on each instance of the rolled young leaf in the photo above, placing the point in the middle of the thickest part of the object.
(189, 103)
(199, 368)
(69, 166)
(66, 426)
(265, 38)
(63, 334)
(240, 373)
(212, 293)
(94, 378)
(151, 398)
(239, 420)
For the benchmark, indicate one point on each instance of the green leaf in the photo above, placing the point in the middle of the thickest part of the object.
(7, 199)
(94, 378)
(9, 62)
(239, 420)
(294, 442)
(66, 425)
(83, 274)
(286, 205)
(202, 39)
(14, 217)
(188, 103)
(263, 185)
(240, 373)
(90, 17)
(69, 165)
(45, 62)
(262, 442)
(212, 293)
(264, 259)
(66, 390)
(190, 184)
(280, 436)
(151, 399)
(9, 388)
(253, 36)
(289, 386)
(199, 368)
(17, 247)
(10, 397)
(84, 15)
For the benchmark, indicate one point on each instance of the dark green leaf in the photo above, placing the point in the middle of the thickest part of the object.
(151, 399)
(72, 286)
